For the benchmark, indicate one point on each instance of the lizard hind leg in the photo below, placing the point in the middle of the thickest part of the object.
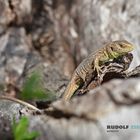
(73, 85)
(97, 67)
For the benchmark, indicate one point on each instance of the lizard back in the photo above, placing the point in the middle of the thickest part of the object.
(85, 66)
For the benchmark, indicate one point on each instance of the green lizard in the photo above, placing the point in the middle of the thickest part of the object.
(94, 62)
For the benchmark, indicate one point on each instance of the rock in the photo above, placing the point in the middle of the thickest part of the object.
(56, 129)
(52, 78)
(22, 11)
(8, 110)
(13, 54)
(6, 15)
(110, 104)
(101, 21)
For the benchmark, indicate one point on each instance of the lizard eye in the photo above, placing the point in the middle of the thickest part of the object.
(123, 45)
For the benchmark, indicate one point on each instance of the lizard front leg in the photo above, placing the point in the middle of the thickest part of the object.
(99, 60)
(97, 66)
(73, 85)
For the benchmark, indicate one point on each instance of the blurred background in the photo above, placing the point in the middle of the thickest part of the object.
(63, 32)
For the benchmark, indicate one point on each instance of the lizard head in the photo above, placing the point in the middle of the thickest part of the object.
(122, 47)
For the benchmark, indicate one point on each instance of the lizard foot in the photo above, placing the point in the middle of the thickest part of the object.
(98, 70)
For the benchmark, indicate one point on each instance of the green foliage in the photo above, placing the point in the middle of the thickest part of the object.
(20, 130)
(1, 87)
(33, 89)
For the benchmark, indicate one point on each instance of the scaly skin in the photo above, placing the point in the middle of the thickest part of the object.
(94, 62)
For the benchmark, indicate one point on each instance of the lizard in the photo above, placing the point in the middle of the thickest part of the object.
(93, 62)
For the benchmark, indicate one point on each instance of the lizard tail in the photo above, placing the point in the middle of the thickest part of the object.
(71, 88)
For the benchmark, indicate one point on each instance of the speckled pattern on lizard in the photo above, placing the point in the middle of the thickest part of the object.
(94, 61)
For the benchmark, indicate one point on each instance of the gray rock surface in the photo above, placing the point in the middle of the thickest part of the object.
(13, 55)
(8, 110)
(109, 20)
(114, 103)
